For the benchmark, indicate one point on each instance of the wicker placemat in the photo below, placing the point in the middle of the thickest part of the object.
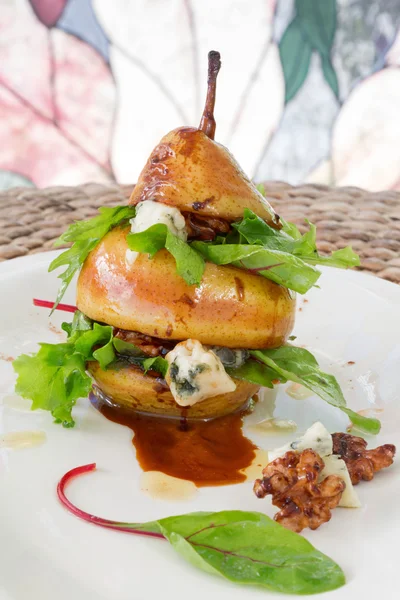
(30, 219)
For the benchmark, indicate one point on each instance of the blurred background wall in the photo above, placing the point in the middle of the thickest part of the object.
(309, 89)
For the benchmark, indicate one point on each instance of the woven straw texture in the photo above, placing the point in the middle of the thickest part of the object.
(31, 219)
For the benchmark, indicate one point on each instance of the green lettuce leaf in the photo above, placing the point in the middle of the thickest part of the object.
(80, 323)
(189, 263)
(85, 235)
(281, 267)
(55, 377)
(86, 335)
(290, 229)
(299, 365)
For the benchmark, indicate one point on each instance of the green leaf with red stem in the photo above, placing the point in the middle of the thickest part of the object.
(281, 267)
(244, 547)
(289, 239)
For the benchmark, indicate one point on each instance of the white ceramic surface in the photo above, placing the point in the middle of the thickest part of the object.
(47, 554)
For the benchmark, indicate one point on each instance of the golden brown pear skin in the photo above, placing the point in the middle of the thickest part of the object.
(231, 307)
(195, 174)
(128, 387)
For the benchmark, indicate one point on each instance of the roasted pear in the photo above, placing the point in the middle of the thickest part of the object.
(192, 172)
(231, 307)
(130, 388)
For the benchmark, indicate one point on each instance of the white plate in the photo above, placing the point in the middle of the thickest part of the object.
(46, 553)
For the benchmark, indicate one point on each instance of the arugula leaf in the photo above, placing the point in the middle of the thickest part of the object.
(189, 263)
(127, 349)
(250, 548)
(255, 231)
(306, 247)
(85, 236)
(256, 373)
(156, 363)
(345, 258)
(364, 424)
(299, 365)
(281, 267)
(150, 241)
(137, 357)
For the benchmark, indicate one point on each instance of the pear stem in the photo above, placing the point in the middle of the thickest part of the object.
(207, 123)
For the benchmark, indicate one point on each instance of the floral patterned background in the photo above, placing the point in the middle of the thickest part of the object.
(309, 91)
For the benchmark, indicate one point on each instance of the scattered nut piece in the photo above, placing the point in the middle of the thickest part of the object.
(293, 483)
(362, 463)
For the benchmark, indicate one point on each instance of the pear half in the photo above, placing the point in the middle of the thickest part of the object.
(195, 174)
(231, 307)
(129, 388)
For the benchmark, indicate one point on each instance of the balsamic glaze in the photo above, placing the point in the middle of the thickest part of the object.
(209, 453)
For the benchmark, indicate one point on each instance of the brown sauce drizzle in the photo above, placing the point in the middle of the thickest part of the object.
(209, 453)
(239, 288)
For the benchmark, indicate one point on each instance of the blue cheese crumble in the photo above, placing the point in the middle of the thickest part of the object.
(196, 373)
(318, 438)
(150, 213)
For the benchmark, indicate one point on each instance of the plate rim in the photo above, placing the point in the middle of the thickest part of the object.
(363, 282)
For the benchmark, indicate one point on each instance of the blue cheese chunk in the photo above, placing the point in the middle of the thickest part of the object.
(334, 465)
(196, 373)
(150, 213)
(316, 437)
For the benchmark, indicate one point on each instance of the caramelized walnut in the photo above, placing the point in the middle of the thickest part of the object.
(362, 463)
(293, 483)
(205, 228)
(148, 345)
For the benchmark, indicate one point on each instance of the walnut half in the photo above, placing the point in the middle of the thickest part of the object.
(362, 463)
(293, 483)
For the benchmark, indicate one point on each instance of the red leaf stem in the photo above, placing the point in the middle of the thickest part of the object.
(115, 525)
(48, 304)
(259, 269)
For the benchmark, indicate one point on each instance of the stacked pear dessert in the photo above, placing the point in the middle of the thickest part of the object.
(186, 297)
(196, 188)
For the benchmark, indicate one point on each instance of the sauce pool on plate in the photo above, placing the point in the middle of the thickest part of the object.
(208, 453)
